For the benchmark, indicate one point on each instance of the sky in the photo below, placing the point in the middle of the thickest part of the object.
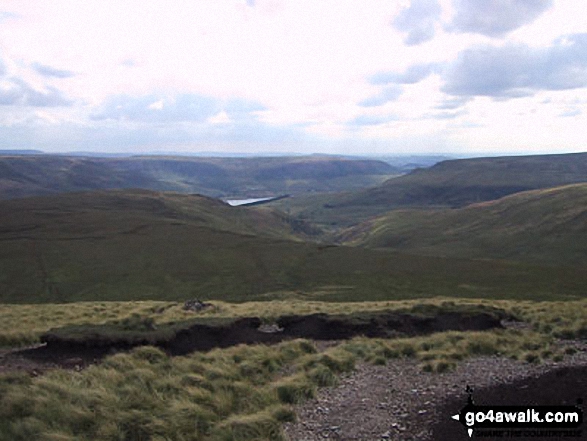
(461, 77)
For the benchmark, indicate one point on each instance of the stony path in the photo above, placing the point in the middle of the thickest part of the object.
(399, 401)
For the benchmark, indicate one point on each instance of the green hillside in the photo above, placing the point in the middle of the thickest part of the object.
(121, 245)
(454, 183)
(540, 225)
(30, 175)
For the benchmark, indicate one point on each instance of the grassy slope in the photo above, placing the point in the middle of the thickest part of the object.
(142, 245)
(454, 183)
(22, 176)
(540, 225)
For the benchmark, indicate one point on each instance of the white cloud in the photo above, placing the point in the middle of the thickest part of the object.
(48, 71)
(157, 105)
(418, 20)
(293, 74)
(495, 18)
(219, 118)
(517, 70)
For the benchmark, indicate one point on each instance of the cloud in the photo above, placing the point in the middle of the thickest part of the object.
(370, 120)
(237, 106)
(191, 118)
(16, 92)
(5, 15)
(153, 108)
(388, 94)
(128, 62)
(180, 108)
(418, 21)
(515, 70)
(52, 97)
(220, 118)
(9, 95)
(108, 135)
(446, 115)
(48, 71)
(495, 18)
(454, 103)
(412, 75)
(571, 112)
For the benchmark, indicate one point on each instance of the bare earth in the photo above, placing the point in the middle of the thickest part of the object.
(401, 402)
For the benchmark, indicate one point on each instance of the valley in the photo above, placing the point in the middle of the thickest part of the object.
(331, 286)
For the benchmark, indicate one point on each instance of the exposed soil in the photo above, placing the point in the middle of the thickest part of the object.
(38, 359)
(325, 327)
(401, 402)
(249, 330)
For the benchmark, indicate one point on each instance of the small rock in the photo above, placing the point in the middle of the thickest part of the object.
(196, 305)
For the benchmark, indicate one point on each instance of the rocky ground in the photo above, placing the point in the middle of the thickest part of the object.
(398, 401)
(401, 402)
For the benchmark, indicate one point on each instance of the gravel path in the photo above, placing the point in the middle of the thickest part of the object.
(401, 402)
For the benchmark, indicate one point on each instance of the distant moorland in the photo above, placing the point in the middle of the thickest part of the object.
(137, 245)
(28, 175)
(99, 254)
(448, 184)
(548, 226)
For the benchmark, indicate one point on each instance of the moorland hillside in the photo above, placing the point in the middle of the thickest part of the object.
(30, 175)
(139, 245)
(538, 225)
(448, 184)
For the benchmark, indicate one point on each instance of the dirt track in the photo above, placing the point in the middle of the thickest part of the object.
(400, 402)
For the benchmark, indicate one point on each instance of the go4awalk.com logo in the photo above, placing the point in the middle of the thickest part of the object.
(520, 421)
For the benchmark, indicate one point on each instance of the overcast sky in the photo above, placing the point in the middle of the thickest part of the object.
(390, 77)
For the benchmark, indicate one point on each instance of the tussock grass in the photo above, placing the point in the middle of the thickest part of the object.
(23, 324)
(243, 392)
(145, 394)
(240, 393)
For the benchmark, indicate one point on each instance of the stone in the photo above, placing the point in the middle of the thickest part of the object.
(196, 305)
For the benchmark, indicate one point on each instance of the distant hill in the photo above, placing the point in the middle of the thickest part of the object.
(30, 175)
(20, 152)
(548, 226)
(138, 245)
(454, 183)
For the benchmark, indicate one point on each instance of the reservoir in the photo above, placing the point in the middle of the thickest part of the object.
(252, 201)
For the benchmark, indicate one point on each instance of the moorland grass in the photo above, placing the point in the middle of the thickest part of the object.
(234, 394)
(240, 393)
(243, 392)
(23, 324)
(540, 226)
(133, 245)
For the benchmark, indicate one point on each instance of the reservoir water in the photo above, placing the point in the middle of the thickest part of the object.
(253, 201)
(236, 202)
